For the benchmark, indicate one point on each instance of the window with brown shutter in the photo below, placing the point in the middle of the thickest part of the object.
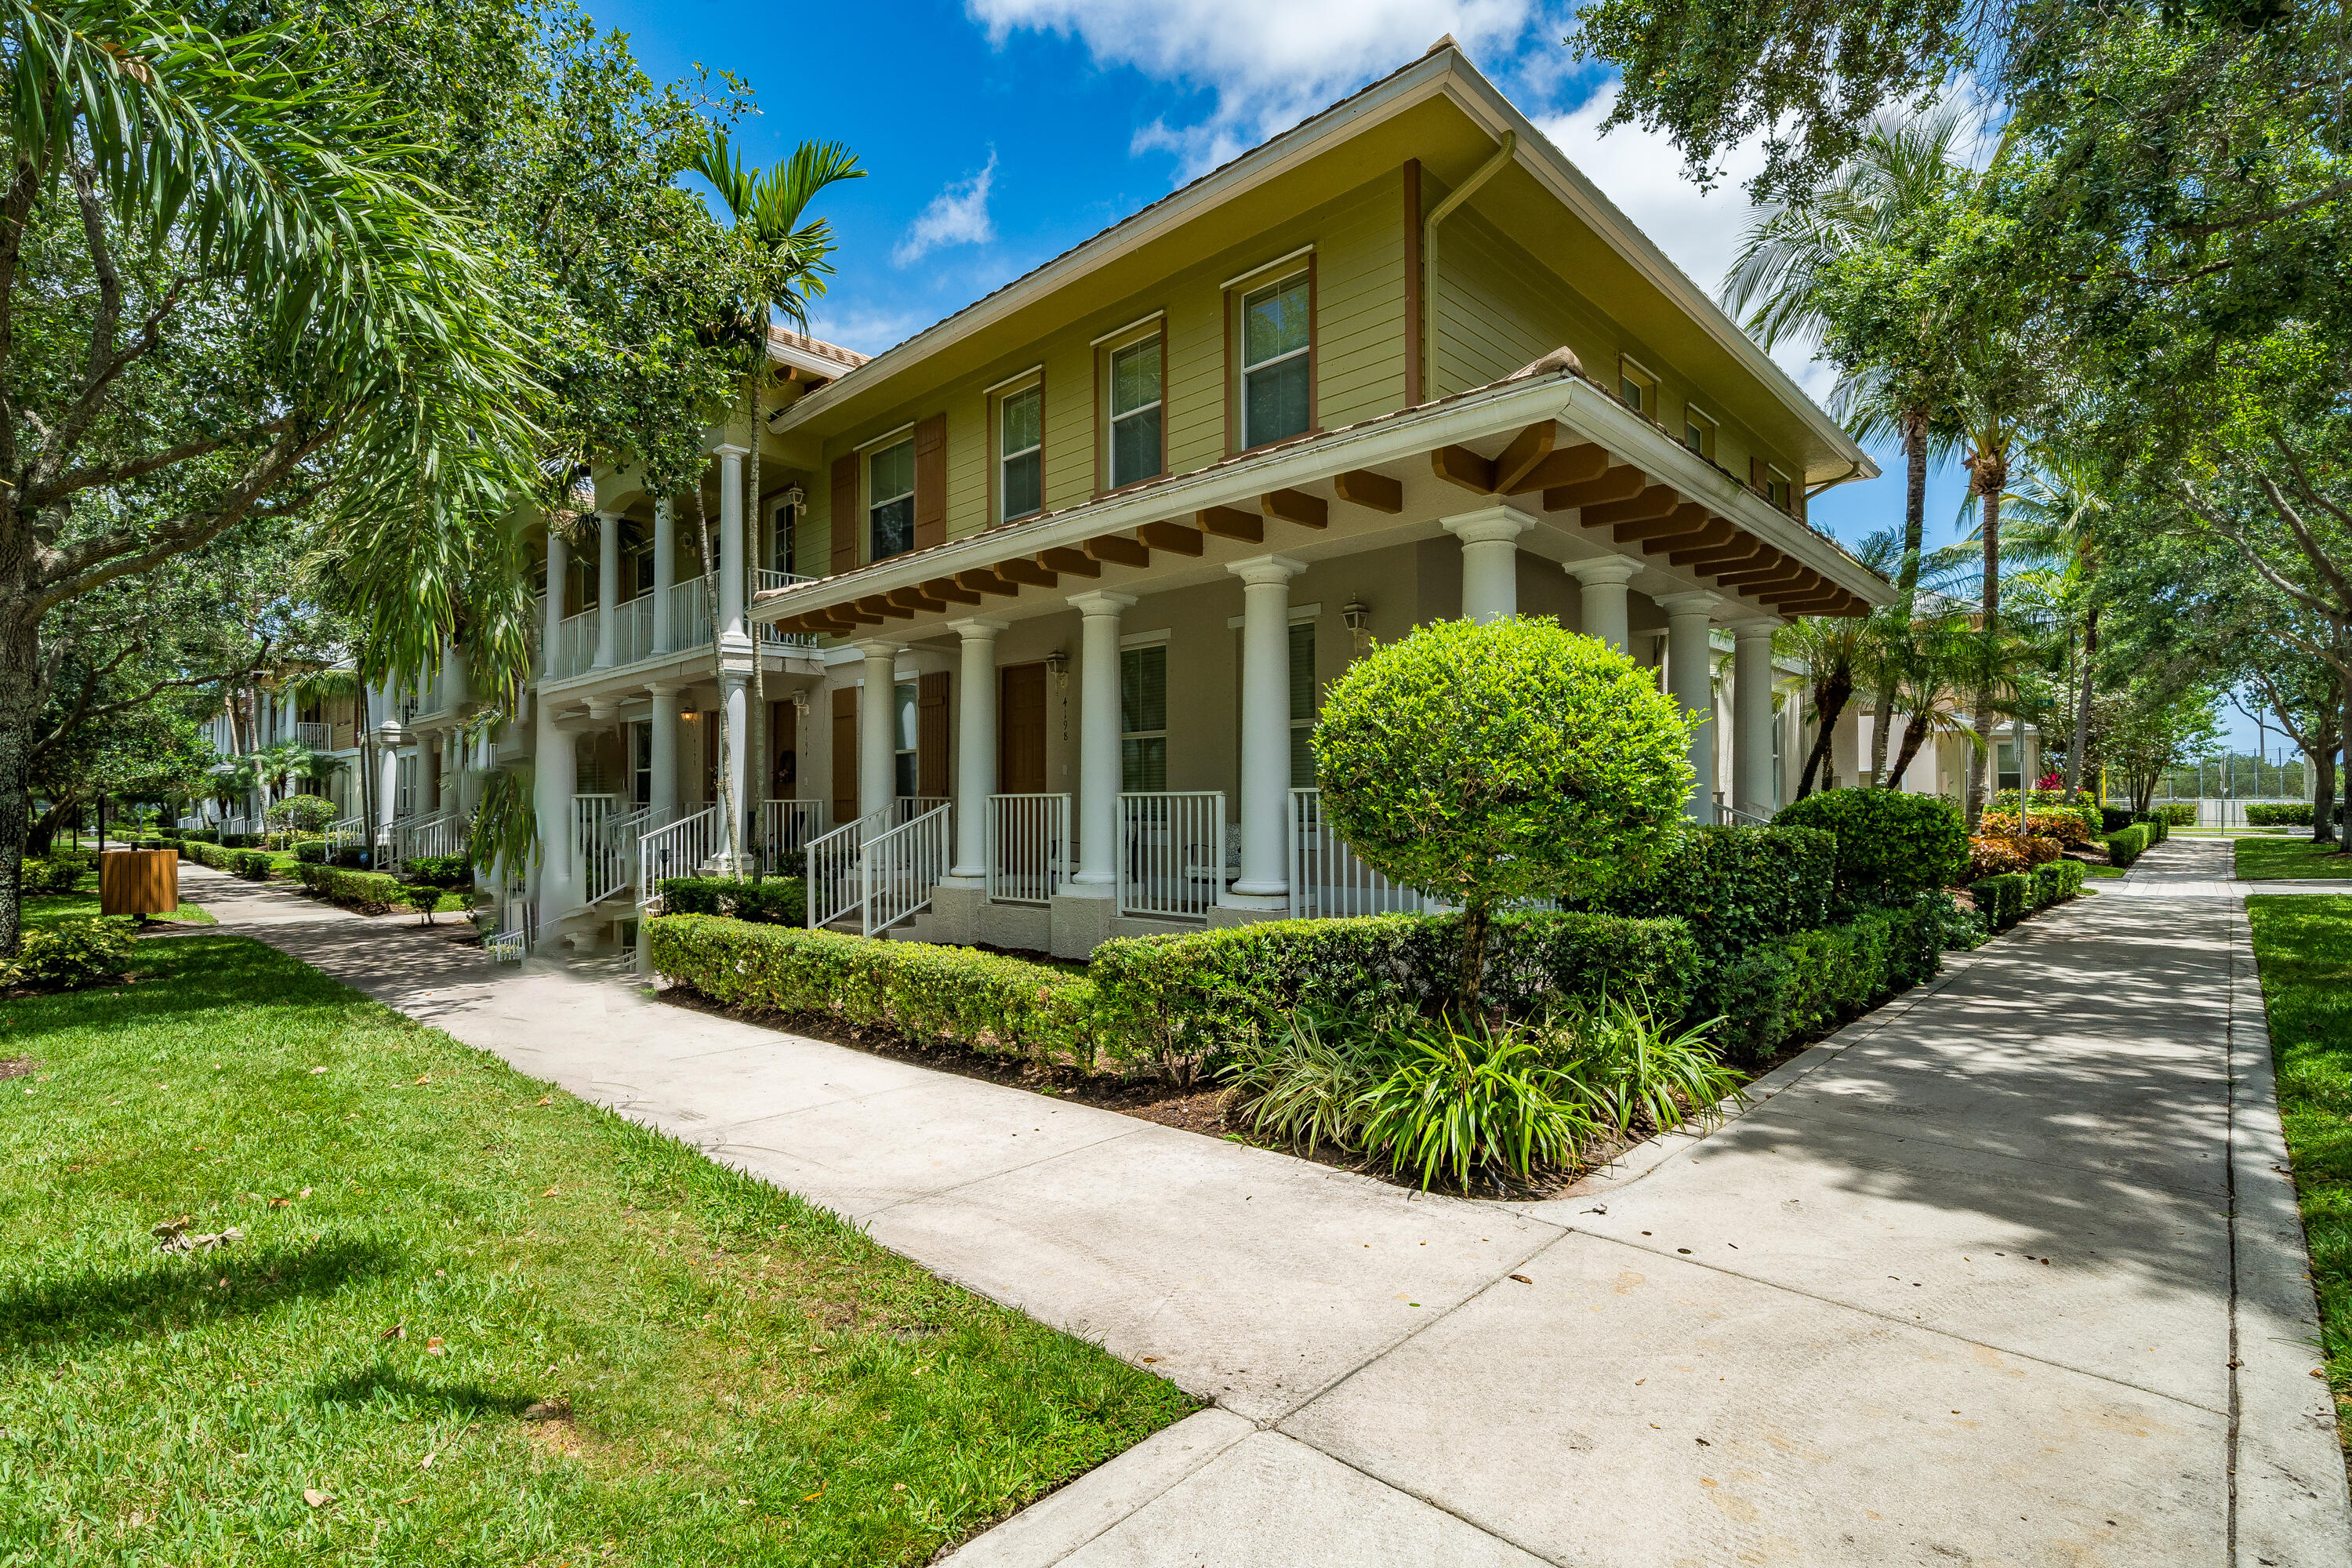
(931, 735)
(931, 483)
(844, 513)
(845, 753)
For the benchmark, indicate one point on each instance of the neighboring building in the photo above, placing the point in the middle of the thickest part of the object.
(1046, 597)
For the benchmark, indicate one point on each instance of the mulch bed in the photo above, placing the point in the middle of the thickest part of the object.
(16, 1066)
(1205, 1109)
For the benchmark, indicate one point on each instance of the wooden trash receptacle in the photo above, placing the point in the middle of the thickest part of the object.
(139, 882)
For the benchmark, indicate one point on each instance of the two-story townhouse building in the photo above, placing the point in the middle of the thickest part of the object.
(1053, 587)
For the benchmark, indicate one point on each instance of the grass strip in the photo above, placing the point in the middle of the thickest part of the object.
(470, 1318)
(2304, 947)
(2270, 859)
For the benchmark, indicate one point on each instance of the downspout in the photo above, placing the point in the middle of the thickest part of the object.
(1461, 192)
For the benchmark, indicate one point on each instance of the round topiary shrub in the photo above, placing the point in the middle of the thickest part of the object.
(1487, 764)
(1891, 847)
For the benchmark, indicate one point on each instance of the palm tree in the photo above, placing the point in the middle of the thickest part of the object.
(1929, 688)
(766, 207)
(1902, 170)
(2056, 515)
(1830, 647)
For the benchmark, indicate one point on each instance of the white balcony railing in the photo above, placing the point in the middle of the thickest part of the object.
(675, 850)
(836, 868)
(1173, 856)
(690, 607)
(315, 737)
(632, 630)
(1326, 878)
(1028, 848)
(901, 867)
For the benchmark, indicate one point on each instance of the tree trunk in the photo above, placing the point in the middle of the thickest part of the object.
(1882, 716)
(1830, 699)
(21, 691)
(2325, 741)
(1474, 956)
(1991, 481)
(1915, 502)
(2343, 739)
(2083, 703)
(1915, 735)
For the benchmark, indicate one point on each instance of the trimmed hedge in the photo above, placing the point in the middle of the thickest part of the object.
(204, 853)
(68, 954)
(370, 892)
(1177, 1000)
(2001, 900)
(2158, 823)
(981, 1001)
(250, 864)
(2057, 882)
(1736, 887)
(440, 871)
(1805, 982)
(2127, 846)
(773, 900)
(1891, 847)
(2285, 814)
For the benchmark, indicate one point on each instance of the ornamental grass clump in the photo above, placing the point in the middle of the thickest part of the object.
(1490, 764)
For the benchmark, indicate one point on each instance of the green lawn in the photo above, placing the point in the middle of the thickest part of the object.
(2102, 871)
(50, 908)
(481, 1321)
(2267, 859)
(2304, 946)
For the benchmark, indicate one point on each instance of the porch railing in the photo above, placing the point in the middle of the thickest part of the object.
(343, 830)
(901, 867)
(676, 849)
(789, 825)
(423, 838)
(632, 631)
(316, 737)
(689, 615)
(836, 868)
(191, 823)
(1172, 853)
(1028, 848)
(609, 852)
(1328, 878)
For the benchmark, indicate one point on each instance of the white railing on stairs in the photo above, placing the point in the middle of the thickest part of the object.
(836, 868)
(590, 814)
(676, 849)
(423, 838)
(901, 868)
(1172, 853)
(907, 807)
(608, 859)
(342, 832)
(1028, 848)
(1328, 880)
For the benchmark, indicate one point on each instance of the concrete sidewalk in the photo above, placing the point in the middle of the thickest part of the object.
(2007, 1271)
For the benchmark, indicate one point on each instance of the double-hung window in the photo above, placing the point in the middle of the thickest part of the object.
(1143, 718)
(1021, 452)
(1277, 337)
(891, 501)
(1135, 401)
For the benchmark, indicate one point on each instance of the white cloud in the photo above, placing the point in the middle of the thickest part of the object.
(1700, 231)
(867, 331)
(957, 216)
(1270, 63)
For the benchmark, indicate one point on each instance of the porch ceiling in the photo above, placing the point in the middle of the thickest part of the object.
(1597, 479)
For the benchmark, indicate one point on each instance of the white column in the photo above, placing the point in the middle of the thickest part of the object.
(1264, 882)
(554, 776)
(731, 542)
(662, 796)
(1751, 717)
(1490, 561)
(735, 693)
(665, 570)
(975, 778)
(1098, 722)
(387, 775)
(878, 721)
(1689, 677)
(559, 561)
(1602, 612)
(608, 586)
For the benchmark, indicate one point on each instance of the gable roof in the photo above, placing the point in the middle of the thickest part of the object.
(1443, 72)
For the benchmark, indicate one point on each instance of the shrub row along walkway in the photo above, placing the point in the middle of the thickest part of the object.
(2007, 1271)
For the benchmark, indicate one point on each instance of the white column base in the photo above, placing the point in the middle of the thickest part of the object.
(1237, 901)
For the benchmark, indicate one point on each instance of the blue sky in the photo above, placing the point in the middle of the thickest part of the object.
(1001, 133)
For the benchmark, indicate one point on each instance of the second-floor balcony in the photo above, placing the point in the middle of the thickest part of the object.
(692, 604)
(315, 737)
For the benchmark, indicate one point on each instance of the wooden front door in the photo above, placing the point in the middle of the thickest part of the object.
(845, 754)
(1020, 714)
